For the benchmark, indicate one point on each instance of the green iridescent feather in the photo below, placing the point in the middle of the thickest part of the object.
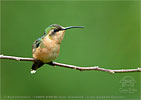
(37, 43)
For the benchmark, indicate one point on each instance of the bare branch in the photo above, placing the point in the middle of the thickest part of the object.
(16, 58)
(72, 66)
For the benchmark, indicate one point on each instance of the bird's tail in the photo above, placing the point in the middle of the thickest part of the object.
(35, 66)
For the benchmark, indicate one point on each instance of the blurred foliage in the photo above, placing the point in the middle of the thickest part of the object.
(110, 39)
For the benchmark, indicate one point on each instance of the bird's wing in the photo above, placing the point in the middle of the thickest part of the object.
(36, 44)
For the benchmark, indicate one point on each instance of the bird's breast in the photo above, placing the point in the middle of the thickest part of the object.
(47, 51)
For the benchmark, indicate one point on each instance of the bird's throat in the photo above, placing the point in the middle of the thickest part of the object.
(58, 37)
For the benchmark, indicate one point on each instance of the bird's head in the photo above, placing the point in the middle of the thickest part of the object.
(56, 32)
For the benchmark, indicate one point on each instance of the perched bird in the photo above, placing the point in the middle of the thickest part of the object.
(46, 48)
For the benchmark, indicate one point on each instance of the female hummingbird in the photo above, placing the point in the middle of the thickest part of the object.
(46, 48)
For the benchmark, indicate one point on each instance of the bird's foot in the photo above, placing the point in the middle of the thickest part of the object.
(51, 63)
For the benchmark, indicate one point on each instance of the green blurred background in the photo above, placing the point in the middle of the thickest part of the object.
(110, 39)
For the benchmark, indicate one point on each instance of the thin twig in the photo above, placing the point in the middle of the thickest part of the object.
(72, 66)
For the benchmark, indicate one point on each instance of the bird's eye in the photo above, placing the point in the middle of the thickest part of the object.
(56, 30)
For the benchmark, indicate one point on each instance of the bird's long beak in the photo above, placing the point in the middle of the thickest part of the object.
(73, 27)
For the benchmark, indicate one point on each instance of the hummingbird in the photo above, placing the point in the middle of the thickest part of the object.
(46, 48)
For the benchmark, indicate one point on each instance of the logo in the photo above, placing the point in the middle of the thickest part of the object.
(128, 85)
